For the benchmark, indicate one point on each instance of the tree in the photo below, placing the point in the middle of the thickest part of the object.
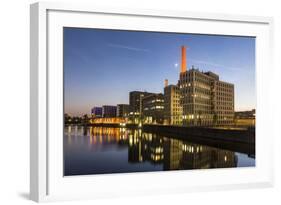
(67, 119)
(85, 119)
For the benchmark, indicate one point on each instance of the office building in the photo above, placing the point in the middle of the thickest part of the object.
(135, 102)
(172, 106)
(153, 108)
(123, 110)
(205, 100)
(96, 112)
(223, 94)
(109, 111)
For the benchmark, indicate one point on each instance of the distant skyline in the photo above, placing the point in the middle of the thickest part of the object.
(101, 67)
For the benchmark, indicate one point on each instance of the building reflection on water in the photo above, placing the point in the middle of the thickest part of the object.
(170, 153)
(176, 154)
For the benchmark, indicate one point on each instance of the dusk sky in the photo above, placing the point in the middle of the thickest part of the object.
(101, 67)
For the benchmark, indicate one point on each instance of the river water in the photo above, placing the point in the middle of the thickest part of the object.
(101, 150)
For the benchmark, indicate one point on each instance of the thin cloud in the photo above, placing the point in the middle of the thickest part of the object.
(128, 47)
(217, 65)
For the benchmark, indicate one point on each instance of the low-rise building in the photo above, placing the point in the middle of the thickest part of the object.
(109, 111)
(245, 118)
(96, 112)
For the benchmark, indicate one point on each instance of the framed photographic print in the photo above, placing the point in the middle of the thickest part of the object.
(127, 102)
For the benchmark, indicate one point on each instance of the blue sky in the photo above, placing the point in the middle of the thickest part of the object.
(103, 66)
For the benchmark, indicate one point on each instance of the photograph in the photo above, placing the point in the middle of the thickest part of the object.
(145, 101)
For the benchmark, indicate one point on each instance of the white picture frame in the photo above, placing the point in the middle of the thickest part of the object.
(46, 179)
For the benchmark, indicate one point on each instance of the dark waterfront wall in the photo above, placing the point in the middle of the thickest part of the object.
(241, 140)
(232, 135)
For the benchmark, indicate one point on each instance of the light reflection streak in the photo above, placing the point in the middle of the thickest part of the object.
(143, 147)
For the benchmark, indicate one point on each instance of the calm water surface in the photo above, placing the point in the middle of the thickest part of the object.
(100, 150)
